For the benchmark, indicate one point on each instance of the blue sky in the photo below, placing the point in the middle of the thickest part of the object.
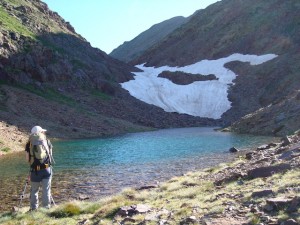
(106, 24)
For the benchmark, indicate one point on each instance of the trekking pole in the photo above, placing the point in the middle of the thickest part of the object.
(52, 200)
(23, 193)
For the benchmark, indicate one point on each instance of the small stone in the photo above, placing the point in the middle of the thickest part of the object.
(162, 222)
(254, 209)
(83, 197)
(83, 222)
(189, 220)
(262, 147)
(14, 209)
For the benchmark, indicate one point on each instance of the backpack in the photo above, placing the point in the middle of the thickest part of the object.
(39, 149)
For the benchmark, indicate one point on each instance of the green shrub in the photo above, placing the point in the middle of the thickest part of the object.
(67, 210)
(6, 149)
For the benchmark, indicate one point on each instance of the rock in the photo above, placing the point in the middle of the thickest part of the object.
(249, 155)
(268, 170)
(125, 211)
(83, 197)
(230, 177)
(286, 141)
(128, 220)
(222, 221)
(265, 218)
(151, 217)
(290, 222)
(268, 208)
(233, 150)
(14, 36)
(189, 220)
(140, 208)
(289, 154)
(132, 210)
(262, 147)
(260, 194)
(84, 222)
(254, 209)
(14, 209)
(162, 222)
(294, 206)
(281, 150)
(279, 203)
(146, 187)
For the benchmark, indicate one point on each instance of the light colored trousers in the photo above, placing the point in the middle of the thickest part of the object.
(46, 193)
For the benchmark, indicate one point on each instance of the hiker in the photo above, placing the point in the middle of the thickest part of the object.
(39, 156)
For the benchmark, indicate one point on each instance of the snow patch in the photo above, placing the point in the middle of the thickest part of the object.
(201, 98)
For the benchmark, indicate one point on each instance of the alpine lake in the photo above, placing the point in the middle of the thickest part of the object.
(94, 168)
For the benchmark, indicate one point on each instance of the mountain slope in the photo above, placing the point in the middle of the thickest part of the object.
(52, 77)
(130, 50)
(253, 27)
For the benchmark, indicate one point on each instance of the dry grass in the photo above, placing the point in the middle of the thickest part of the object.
(181, 196)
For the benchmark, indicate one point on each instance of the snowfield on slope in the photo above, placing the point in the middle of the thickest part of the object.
(201, 98)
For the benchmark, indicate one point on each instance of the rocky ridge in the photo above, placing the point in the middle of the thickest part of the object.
(131, 50)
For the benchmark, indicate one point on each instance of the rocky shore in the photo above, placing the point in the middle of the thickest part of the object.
(261, 187)
(253, 190)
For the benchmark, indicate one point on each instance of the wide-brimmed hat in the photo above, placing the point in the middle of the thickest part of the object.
(37, 129)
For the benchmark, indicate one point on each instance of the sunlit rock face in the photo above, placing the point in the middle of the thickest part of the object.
(208, 98)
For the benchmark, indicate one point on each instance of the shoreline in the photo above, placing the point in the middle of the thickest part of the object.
(261, 172)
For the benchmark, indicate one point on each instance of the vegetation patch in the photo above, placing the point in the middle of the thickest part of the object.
(99, 94)
(6, 149)
(48, 93)
(51, 45)
(68, 210)
(12, 24)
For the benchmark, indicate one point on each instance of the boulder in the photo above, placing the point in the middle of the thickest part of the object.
(268, 170)
(132, 210)
(288, 155)
(294, 206)
(279, 203)
(286, 141)
(263, 193)
(290, 222)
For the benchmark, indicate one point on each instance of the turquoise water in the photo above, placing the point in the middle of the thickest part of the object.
(98, 167)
